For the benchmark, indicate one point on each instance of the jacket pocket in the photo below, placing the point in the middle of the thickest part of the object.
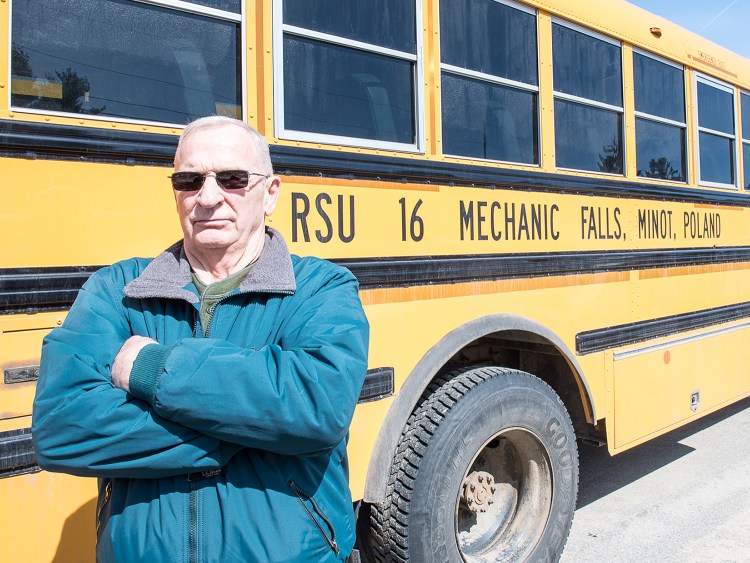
(313, 510)
(100, 509)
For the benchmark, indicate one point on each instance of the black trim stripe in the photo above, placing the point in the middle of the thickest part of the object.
(379, 383)
(30, 290)
(36, 140)
(622, 335)
(66, 142)
(17, 453)
(49, 289)
(425, 270)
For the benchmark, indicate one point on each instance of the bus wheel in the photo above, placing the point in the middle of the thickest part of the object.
(487, 470)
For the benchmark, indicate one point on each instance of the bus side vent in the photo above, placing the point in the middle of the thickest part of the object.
(21, 375)
(17, 453)
(378, 385)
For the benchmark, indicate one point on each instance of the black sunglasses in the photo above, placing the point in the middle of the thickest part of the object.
(227, 179)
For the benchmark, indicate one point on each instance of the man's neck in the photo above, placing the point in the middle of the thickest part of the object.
(214, 264)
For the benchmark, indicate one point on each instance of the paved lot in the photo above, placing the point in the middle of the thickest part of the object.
(684, 497)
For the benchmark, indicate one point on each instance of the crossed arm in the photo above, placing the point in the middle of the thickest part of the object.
(210, 398)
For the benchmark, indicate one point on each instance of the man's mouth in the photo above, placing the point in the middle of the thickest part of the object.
(212, 221)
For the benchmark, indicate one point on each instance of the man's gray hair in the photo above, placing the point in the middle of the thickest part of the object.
(260, 145)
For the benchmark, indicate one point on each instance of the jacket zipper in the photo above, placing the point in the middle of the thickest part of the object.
(193, 556)
(193, 502)
(196, 322)
(107, 495)
(302, 497)
(193, 550)
(193, 531)
(211, 311)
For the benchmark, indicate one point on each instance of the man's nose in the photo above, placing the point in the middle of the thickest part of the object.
(211, 193)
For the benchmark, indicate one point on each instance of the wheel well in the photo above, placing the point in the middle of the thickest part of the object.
(531, 353)
(503, 340)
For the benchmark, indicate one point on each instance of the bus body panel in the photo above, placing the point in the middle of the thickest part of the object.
(660, 386)
(48, 517)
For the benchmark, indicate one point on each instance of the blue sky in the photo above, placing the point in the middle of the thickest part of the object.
(726, 22)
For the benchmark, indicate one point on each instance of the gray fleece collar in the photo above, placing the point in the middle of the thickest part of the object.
(169, 273)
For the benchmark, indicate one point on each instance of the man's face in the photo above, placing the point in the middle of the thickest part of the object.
(215, 218)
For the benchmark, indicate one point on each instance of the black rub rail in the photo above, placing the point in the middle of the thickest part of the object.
(66, 142)
(632, 333)
(17, 453)
(49, 289)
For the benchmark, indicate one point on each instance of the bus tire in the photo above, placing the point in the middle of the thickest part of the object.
(486, 470)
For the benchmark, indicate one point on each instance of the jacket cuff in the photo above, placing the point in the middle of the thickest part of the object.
(146, 371)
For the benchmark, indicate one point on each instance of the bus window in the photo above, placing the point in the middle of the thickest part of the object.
(349, 72)
(387, 23)
(745, 109)
(660, 119)
(587, 75)
(716, 133)
(124, 60)
(489, 81)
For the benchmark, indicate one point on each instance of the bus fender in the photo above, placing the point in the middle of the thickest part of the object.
(435, 358)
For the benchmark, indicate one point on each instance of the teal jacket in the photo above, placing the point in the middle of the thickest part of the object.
(228, 448)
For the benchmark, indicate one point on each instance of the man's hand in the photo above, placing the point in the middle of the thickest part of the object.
(124, 360)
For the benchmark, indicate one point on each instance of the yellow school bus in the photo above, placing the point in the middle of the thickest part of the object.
(545, 202)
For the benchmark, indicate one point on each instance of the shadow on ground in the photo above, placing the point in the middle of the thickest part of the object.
(602, 474)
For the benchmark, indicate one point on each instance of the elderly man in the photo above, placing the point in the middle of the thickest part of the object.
(211, 388)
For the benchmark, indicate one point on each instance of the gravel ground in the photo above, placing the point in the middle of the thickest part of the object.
(683, 497)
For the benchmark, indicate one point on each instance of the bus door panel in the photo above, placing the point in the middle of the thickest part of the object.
(658, 387)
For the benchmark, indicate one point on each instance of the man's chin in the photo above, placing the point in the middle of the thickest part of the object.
(210, 241)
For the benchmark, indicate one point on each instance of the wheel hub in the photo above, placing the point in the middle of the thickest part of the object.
(504, 499)
(478, 490)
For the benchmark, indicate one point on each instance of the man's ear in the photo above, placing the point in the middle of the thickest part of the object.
(271, 196)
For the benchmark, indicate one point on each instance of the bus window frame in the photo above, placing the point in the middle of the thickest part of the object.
(187, 6)
(594, 103)
(744, 184)
(176, 5)
(665, 121)
(494, 79)
(709, 80)
(418, 104)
